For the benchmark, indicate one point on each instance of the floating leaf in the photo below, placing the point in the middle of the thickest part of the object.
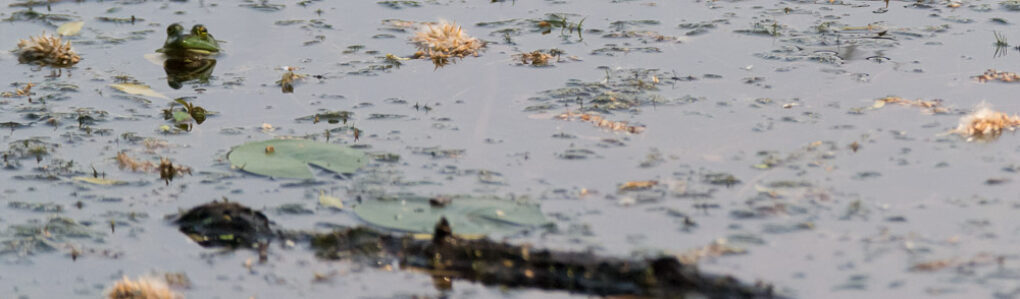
(138, 89)
(98, 181)
(70, 28)
(289, 158)
(467, 215)
(330, 201)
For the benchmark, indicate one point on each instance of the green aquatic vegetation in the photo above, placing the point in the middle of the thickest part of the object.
(621, 89)
(38, 236)
(437, 152)
(330, 117)
(182, 118)
(51, 19)
(1000, 39)
(262, 5)
(467, 214)
(624, 25)
(577, 154)
(399, 4)
(290, 158)
(35, 147)
(1011, 5)
(124, 20)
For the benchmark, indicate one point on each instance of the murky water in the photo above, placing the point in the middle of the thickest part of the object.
(772, 93)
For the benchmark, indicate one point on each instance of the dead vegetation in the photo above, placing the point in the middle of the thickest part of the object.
(993, 75)
(599, 121)
(166, 169)
(444, 42)
(47, 49)
(637, 185)
(985, 124)
(933, 106)
(535, 58)
(715, 249)
(142, 288)
(19, 92)
(981, 259)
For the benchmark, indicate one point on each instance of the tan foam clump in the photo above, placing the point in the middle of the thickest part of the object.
(985, 124)
(443, 41)
(47, 49)
(142, 288)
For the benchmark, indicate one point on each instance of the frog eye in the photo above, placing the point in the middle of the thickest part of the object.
(174, 29)
(199, 30)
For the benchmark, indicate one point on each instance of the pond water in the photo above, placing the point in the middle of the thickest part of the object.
(752, 125)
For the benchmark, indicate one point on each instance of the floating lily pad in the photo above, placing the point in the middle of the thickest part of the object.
(467, 215)
(289, 158)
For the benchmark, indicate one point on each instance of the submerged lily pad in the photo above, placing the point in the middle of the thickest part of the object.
(467, 215)
(289, 158)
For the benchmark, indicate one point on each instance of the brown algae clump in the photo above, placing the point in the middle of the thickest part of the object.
(143, 288)
(444, 41)
(986, 124)
(47, 49)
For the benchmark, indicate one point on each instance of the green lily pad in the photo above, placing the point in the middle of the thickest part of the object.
(289, 158)
(467, 215)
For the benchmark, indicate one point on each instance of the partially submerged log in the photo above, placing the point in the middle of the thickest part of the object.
(446, 256)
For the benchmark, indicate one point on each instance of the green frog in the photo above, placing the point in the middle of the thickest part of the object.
(198, 43)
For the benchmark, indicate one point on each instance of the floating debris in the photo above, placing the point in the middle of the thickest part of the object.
(287, 81)
(19, 92)
(985, 124)
(166, 169)
(137, 89)
(716, 249)
(47, 49)
(601, 122)
(535, 58)
(933, 106)
(142, 288)
(70, 28)
(993, 75)
(981, 259)
(637, 185)
(444, 41)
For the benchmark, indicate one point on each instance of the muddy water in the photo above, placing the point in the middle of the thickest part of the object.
(773, 94)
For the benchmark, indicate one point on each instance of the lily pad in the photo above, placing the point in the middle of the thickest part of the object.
(289, 158)
(467, 215)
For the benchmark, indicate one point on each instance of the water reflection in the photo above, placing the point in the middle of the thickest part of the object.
(179, 71)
